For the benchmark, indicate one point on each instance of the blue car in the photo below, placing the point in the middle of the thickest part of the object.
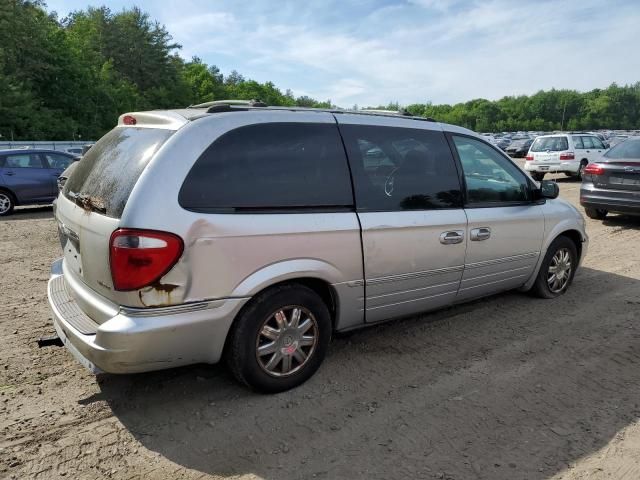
(28, 176)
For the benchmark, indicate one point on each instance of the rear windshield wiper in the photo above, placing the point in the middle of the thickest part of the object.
(87, 202)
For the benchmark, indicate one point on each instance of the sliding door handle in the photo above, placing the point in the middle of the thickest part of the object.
(452, 237)
(479, 234)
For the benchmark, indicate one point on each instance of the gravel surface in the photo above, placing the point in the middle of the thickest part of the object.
(510, 387)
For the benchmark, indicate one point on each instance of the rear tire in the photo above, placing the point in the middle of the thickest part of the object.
(272, 348)
(583, 165)
(7, 203)
(596, 213)
(557, 269)
(538, 176)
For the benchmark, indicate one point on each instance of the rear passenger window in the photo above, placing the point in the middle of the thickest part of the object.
(588, 142)
(58, 161)
(401, 169)
(597, 143)
(577, 143)
(270, 166)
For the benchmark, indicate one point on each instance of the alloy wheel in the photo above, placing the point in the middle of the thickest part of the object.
(559, 271)
(286, 340)
(5, 203)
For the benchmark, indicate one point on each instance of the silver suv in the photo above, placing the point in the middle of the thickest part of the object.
(254, 233)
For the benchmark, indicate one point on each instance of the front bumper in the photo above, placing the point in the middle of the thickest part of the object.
(140, 340)
(618, 201)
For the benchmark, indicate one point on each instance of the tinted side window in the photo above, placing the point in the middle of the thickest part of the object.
(270, 166)
(490, 177)
(577, 143)
(23, 161)
(401, 168)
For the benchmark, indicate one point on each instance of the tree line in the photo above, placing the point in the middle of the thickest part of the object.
(70, 78)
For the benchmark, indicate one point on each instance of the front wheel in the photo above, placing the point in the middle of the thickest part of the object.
(280, 339)
(557, 269)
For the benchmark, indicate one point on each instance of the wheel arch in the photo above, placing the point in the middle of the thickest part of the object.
(570, 232)
(318, 285)
(16, 202)
(576, 237)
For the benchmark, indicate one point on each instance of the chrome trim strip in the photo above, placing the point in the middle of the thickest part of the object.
(176, 309)
(492, 283)
(453, 292)
(496, 261)
(412, 275)
(528, 267)
(412, 290)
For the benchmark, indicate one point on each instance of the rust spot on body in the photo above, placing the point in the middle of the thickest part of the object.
(157, 294)
(164, 287)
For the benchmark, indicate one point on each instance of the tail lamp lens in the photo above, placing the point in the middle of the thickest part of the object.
(593, 169)
(139, 258)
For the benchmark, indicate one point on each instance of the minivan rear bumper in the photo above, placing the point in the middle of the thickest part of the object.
(140, 340)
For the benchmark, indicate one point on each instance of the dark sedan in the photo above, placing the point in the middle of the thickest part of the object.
(613, 183)
(28, 176)
(519, 148)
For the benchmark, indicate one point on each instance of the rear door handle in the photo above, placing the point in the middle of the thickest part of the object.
(9, 174)
(452, 237)
(479, 234)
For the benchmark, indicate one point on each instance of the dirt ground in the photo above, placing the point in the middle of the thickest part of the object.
(510, 387)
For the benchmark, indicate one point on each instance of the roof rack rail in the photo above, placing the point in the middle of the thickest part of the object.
(240, 105)
(382, 111)
(225, 105)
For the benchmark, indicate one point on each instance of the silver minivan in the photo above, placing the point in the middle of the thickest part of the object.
(253, 233)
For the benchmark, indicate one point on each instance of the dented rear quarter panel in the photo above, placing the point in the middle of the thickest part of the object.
(238, 255)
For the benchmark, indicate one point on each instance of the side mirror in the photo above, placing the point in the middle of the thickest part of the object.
(548, 189)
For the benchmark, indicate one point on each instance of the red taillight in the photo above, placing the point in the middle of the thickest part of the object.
(528, 158)
(567, 156)
(593, 169)
(129, 120)
(141, 257)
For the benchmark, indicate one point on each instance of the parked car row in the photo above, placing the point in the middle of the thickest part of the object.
(511, 142)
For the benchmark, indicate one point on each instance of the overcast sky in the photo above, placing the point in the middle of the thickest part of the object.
(372, 52)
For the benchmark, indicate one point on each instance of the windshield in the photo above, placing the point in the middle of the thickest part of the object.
(628, 149)
(553, 144)
(106, 175)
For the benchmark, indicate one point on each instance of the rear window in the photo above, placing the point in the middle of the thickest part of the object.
(628, 149)
(553, 144)
(270, 166)
(105, 176)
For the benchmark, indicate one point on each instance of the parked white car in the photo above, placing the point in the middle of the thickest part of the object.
(566, 153)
